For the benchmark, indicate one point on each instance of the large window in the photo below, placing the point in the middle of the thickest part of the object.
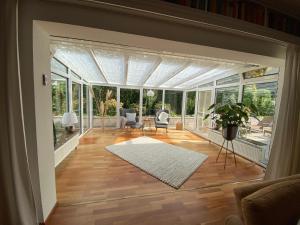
(76, 104)
(130, 99)
(227, 95)
(263, 96)
(59, 107)
(189, 121)
(151, 103)
(173, 102)
(104, 106)
(85, 109)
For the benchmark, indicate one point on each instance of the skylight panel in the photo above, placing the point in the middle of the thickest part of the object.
(112, 65)
(189, 72)
(218, 71)
(79, 60)
(139, 67)
(167, 68)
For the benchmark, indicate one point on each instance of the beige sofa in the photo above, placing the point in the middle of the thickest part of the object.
(275, 202)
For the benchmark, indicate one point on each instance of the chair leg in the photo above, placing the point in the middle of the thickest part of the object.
(233, 153)
(166, 130)
(220, 150)
(226, 155)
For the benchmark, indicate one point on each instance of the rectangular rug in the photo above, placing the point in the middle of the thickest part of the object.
(171, 164)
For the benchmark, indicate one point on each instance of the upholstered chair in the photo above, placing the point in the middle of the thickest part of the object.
(162, 121)
(128, 123)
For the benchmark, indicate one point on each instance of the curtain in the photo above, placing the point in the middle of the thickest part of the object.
(285, 151)
(16, 198)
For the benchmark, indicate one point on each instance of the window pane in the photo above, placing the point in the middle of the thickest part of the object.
(130, 99)
(173, 102)
(85, 110)
(227, 95)
(229, 80)
(76, 106)
(108, 97)
(58, 66)
(263, 96)
(189, 121)
(59, 107)
(152, 103)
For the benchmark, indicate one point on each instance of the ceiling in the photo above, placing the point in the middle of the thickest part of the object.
(125, 66)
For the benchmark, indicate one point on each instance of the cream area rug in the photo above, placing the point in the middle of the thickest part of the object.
(171, 164)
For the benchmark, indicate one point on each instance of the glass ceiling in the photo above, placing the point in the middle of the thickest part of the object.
(140, 68)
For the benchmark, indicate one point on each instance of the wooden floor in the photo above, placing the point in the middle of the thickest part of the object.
(96, 187)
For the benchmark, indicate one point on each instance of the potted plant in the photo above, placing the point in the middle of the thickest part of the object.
(230, 117)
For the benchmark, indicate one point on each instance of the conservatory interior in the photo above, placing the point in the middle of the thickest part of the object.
(96, 80)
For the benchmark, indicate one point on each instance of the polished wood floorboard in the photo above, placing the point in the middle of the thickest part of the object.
(96, 187)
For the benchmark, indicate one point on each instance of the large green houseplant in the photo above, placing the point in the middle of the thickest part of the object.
(230, 116)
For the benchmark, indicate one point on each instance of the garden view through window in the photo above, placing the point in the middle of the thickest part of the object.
(152, 103)
(104, 106)
(263, 96)
(76, 104)
(189, 119)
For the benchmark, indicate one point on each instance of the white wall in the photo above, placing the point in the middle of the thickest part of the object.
(43, 115)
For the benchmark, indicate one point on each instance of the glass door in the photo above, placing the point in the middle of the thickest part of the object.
(204, 101)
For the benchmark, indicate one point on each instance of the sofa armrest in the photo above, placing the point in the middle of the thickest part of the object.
(275, 204)
(244, 191)
(233, 220)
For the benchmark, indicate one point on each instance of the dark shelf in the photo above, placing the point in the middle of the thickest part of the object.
(246, 10)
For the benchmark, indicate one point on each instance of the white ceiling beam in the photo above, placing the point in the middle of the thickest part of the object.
(187, 64)
(92, 54)
(126, 60)
(192, 77)
(156, 65)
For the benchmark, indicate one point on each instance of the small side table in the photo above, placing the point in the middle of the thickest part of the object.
(148, 121)
(139, 126)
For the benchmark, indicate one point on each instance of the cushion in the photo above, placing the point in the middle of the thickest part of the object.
(163, 117)
(277, 204)
(233, 220)
(131, 117)
(163, 123)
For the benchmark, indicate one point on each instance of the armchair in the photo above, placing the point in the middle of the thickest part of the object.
(161, 122)
(124, 121)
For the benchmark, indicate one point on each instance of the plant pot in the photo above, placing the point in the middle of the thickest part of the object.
(230, 132)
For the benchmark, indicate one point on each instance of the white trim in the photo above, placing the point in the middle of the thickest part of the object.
(141, 105)
(163, 99)
(118, 108)
(183, 108)
(81, 109)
